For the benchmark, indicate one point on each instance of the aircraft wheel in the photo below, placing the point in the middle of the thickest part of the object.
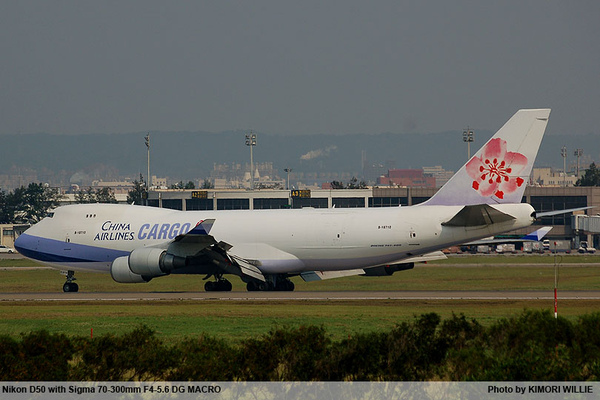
(223, 286)
(70, 287)
(226, 286)
(290, 286)
(209, 286)
(254, 286)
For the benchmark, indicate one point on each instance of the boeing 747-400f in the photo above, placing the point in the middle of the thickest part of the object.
(266, 247)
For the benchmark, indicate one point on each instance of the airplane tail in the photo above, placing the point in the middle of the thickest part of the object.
(499, 171)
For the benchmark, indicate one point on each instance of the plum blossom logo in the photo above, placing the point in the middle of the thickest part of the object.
(496, 171)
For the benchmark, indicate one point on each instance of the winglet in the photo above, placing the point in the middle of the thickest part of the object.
(499, 171)
(538, 235)
(199, 234)
(203, 227)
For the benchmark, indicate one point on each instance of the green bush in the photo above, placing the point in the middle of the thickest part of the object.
(39, 356)
(362, 357)
(11, 365)
(285, 354)
(531, 346)
(204, 359)
(137, 355)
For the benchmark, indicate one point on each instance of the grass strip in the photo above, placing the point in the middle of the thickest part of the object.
(238, 320)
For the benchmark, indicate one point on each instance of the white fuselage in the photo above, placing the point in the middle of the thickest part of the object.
(90, 237)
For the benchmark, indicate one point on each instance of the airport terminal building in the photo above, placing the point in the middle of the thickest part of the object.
(583, 226)
(574, 228)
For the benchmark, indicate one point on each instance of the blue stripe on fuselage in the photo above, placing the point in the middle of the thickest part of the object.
(57, 251)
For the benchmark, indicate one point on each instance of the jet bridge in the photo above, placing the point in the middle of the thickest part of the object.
(587, 225)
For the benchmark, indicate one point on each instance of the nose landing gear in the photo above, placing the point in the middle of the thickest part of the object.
(70, 285)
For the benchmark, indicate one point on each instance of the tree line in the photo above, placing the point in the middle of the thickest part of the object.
(29, 204)
(591, 177)
(532, 346)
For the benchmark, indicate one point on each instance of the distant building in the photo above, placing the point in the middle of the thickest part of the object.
(372, 171)
(406, 178)
(440, 174)
(9, 232)
(549, 177)
(158, 182)
(16, 177)
(237, 176)
(122, 187)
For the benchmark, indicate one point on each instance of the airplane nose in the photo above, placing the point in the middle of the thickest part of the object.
(26, 245)
(20, 243)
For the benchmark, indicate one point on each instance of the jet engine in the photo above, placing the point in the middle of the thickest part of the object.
(385, 270)
(144, 264)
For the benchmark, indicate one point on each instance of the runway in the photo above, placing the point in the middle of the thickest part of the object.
(300, 296)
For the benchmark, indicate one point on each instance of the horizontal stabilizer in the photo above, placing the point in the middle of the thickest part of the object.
(478, 215)
(559, 212)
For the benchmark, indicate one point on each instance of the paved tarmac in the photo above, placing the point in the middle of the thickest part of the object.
(301, 296)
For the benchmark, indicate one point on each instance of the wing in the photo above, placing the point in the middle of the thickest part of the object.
(380, 270)
(535, 236)
(201, 248)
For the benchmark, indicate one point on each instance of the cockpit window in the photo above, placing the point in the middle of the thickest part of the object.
(50, 215)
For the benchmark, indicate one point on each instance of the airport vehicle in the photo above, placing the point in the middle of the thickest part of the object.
(584, 247)
(6, 249)
(533, 247)
(546, 244)
(267, 247)
(506, 248)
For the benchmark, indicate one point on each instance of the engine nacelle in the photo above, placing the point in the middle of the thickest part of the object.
(120, 272)
(148, 261)
(143, 264)
(386, 270)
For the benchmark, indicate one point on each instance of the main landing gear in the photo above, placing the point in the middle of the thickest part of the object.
(70, 285)
(271, 285)
(220, 285)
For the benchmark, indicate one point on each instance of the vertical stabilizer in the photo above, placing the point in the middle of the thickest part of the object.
(499, 171)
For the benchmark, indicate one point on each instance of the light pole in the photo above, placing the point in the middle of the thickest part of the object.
(251, 141)
(468, 138)
(563, 153)
(288, 170)
(578, 153)
(147, 139)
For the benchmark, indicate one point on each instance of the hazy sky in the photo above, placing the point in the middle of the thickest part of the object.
(294, 67)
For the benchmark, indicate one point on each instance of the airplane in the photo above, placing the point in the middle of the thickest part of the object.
(502, 243)
(265, 248)
(535, 236)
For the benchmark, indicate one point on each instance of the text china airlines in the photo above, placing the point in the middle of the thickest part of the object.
(123, 231)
